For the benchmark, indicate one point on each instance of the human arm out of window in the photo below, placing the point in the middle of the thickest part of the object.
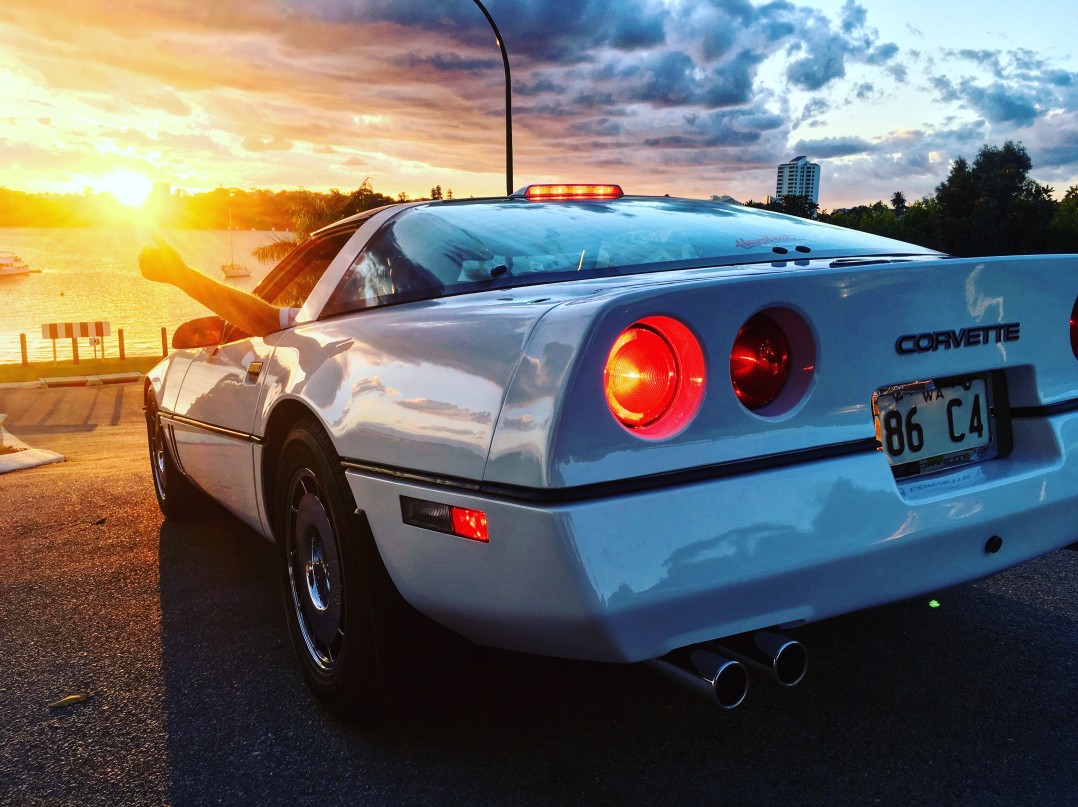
(163, 264)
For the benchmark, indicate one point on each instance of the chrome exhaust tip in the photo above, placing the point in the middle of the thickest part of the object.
(721, 680)
(785, 660)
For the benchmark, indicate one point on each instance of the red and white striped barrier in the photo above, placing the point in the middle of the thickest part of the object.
(68, 330)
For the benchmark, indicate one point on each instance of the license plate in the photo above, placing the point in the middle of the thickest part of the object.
(928, 426)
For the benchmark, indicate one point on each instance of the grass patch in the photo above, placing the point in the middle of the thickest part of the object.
(53, 369)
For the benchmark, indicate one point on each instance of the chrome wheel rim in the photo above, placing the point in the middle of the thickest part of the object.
(314, 571)
(157, 456)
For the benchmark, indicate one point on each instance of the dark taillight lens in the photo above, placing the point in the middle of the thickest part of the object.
(1074, 329)
(654, 377)
(759, 362)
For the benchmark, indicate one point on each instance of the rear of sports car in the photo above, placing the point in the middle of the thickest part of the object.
(696, 455)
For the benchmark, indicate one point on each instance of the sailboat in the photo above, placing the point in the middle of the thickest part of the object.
(232, 269)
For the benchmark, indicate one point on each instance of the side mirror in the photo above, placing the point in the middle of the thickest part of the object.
(201, 332)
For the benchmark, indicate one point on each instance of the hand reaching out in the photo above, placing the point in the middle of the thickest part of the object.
(161, 262)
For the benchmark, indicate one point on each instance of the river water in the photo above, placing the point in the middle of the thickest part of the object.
(91, 274)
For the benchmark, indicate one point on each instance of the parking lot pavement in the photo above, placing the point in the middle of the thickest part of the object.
(175, 635)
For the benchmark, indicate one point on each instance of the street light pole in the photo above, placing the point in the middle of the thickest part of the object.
(508, 102)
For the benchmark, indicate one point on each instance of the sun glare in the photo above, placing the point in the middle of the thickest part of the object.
(128, 187)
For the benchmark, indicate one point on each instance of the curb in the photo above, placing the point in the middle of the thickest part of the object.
(26, 457)
(76, 381)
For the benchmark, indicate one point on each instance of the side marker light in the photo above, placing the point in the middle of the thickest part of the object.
(460, 521)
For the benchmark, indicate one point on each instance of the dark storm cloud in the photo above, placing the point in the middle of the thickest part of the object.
(732, 128)
(560, 32)
(1001, 104)
(447, 62)
(831, 147)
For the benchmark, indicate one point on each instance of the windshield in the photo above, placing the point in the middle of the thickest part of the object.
(431, 251)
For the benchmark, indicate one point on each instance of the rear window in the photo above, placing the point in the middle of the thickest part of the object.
(441, 249)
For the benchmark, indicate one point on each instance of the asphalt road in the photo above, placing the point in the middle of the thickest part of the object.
(176, 633)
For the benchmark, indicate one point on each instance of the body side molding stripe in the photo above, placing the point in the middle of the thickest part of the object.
(1046, 410)
(199, 424)
(621, 486)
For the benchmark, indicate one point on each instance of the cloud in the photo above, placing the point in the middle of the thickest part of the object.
(830, 147)
(691, 97)
(447, 63)
(816, 107)
(1001, 104)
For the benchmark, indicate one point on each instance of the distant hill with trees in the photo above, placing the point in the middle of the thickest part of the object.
(254, 209)
(989, 207)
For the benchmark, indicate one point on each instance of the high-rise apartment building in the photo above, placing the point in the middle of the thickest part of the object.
(798, 177)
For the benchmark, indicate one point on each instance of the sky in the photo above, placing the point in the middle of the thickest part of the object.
(687, 97)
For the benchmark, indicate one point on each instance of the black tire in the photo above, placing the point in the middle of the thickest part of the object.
(344, 614)
(177, 498)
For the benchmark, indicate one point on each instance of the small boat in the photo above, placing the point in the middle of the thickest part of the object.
(12, 264)
(232, 269)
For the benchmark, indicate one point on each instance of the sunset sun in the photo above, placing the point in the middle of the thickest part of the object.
(129, 188)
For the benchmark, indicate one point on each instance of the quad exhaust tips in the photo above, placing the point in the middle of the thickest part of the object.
(720, 680)
(717, 670)
(783, 659)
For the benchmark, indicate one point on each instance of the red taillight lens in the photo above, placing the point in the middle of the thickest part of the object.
(470, 524)
(641, 376)
(1074, 329)
(654, 377)
(759, 362)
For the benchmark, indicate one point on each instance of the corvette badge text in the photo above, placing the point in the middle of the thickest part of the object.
(952, 340)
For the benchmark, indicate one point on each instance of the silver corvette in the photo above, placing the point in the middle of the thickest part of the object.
(596, 426)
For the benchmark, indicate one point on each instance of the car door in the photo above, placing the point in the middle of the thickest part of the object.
(215, 408)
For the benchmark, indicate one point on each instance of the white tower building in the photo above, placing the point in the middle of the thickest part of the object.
(798, 177)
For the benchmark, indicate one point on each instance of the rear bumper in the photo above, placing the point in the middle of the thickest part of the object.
(626, 578)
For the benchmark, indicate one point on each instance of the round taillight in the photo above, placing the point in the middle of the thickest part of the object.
(1074, 329)
(654, 377)
(641, 376)
(759, 362)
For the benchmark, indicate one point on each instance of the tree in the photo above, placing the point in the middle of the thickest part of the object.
(992, 207)
(790, 204)
(898, 204)
(1064, 224)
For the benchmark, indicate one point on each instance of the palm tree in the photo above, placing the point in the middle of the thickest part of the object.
(315, 210)
(898, 202)
(310, 214)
